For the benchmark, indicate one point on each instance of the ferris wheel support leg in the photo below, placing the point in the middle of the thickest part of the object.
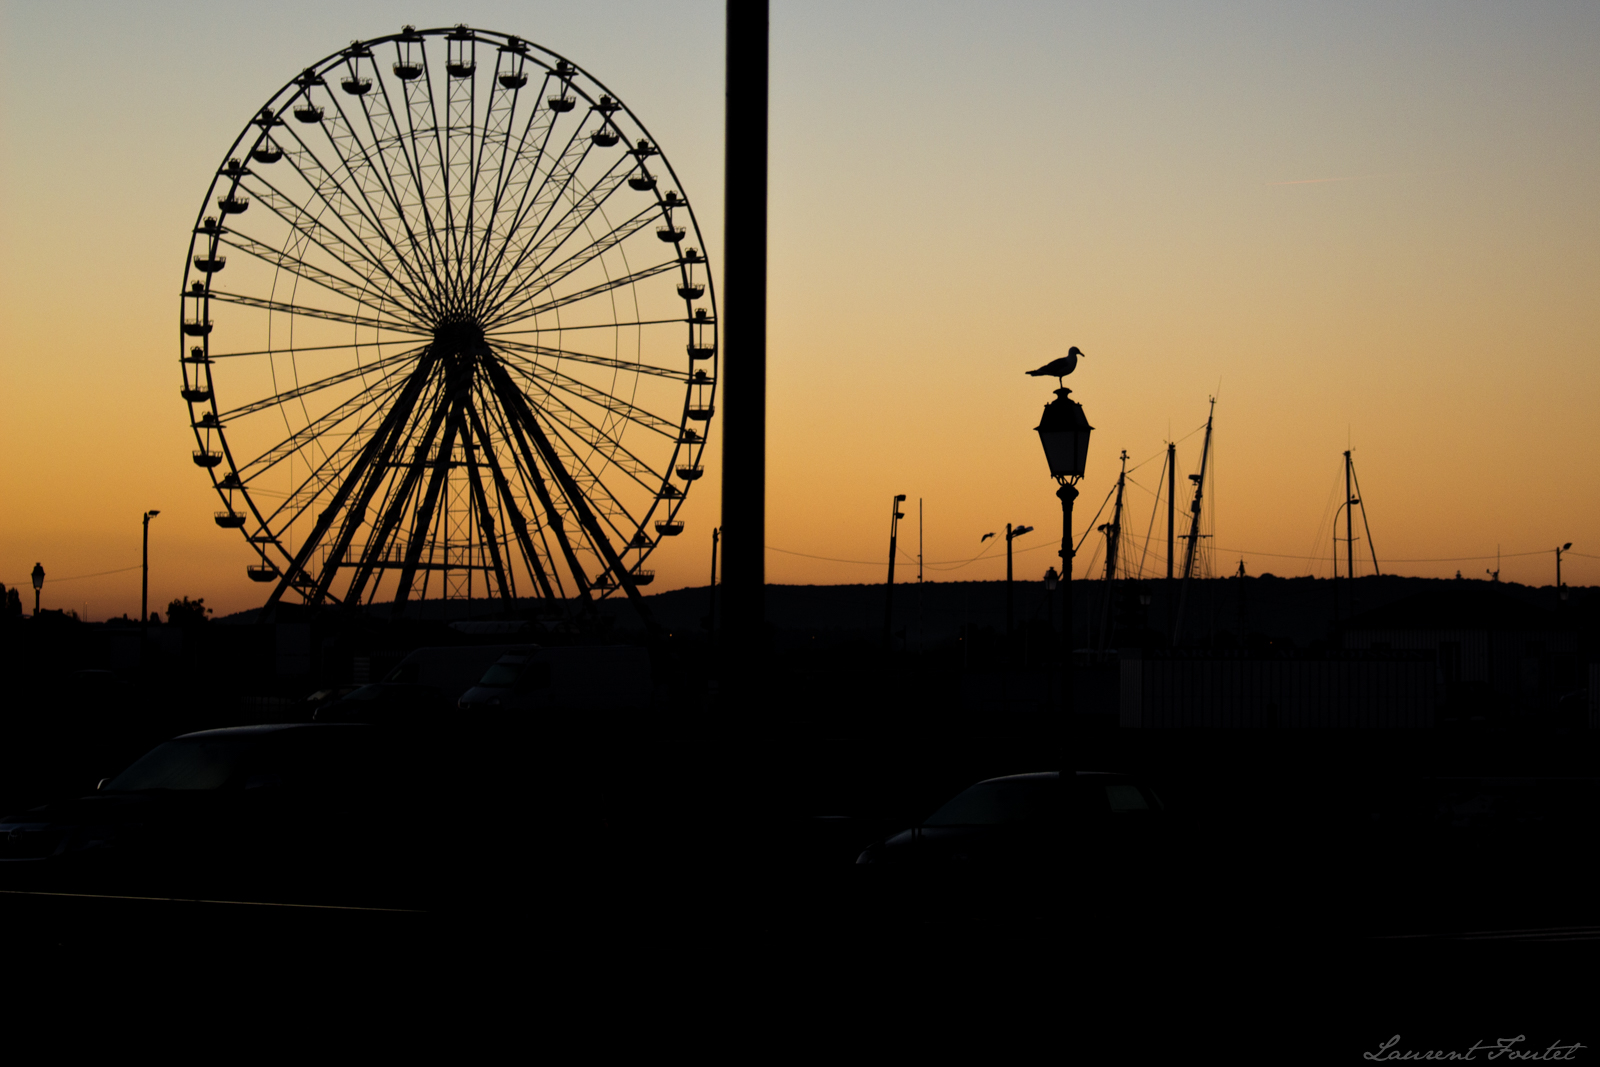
(378, 545)
(423, 521)
(557, 525)
(380, 442)
(519, 525)
(586, 519)
(486, 522)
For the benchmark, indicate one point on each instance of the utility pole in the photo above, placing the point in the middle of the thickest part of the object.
(888, 595)
(744, 314)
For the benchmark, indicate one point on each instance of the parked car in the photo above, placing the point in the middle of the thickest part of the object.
(388, 704)
(257, 801)
(1012, 822)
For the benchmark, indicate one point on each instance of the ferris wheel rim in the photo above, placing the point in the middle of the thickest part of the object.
(420, 337)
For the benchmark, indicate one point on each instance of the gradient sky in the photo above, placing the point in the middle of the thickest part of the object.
(1358, 225)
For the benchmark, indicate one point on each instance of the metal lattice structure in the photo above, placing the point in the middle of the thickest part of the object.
(446, 329)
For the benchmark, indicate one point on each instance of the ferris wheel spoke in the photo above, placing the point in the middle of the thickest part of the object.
(371, 401)
(514, 193)
(385, 134)
(374, 446)
(373, 183)
(531, 215)
(460, 142)
(313, 230)
(392, 142)
(497, 127)
(548, 379)
(523, 306)
(361, 295)
(502, 331)
(522, 349)
(376, 243)
(536, 250)
(597, 495)
(422, 120)
(316, 386)
(292, 350)
(618, 455)
(508, 502)
(372, 322)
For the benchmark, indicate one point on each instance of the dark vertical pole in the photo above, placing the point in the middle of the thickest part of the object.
(1349, 523)
(744, 311)
(144, 583)
(1172, 493)
(888, 595)
(711, 615)
(1008, 589)
(1068, 494)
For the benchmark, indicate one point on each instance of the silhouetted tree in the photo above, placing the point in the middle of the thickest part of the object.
(186, 612)
(13, 604)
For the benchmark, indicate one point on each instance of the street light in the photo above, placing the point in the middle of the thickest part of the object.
(1064, 432)
(38, 584)
(895, 515)
(1561, 590)
(144, 589)
(1012, 533)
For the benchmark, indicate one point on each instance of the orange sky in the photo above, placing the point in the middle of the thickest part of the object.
(958, 193)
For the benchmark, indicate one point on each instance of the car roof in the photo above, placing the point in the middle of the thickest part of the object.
(264, 730)
(1034, 776)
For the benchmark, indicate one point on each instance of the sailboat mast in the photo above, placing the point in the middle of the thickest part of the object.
(1349, 521)
(1199, 491)
(1172, 493)
(1194, 524)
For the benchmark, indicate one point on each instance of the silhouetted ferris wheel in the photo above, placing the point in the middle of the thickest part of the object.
(447, 330)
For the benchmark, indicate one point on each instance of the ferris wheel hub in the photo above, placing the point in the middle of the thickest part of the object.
(458, 335)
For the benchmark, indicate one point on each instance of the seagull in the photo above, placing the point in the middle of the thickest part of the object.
(1059, 368)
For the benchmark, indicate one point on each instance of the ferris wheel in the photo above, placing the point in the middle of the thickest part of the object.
(448, 330)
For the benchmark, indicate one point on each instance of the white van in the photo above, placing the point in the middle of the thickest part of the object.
(570, 678)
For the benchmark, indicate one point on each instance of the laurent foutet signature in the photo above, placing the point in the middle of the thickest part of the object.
(1504, 1048)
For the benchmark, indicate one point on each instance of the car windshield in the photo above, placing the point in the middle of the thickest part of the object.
(183, 765)
(504, 673)
(997, 803)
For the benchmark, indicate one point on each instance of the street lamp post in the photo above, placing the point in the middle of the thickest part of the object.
(895, 515)
(1561, 590)
(1064, 432)
(144, 587)
(1011, 535)
(38, 584)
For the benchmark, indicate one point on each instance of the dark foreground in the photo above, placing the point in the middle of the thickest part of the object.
(1319, 894)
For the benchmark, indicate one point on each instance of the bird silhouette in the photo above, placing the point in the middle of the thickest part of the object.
(1059, 368)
